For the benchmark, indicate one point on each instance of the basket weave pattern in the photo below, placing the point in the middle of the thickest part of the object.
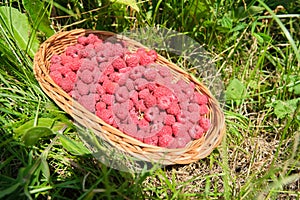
(194, 151)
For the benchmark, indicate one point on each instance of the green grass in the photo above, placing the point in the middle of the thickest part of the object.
(255, 48)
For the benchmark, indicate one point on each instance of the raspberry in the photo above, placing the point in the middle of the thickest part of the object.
(56, 77)
(91, 52)
(108, 70)
(66, 59)
(125, 69)
(143, 123)
(88, 64)
(130, 129)
(109, 86)
(151, 113)
(182, 141)
(194, 117)
(164, 102)
(162, 91)
(188, 92)
(121, 94)
(145, 59)
(55, 59)
(140, 105)
(134, 96)
(165, 140)
(203, 109)
(83, 40)
(196, 131)
(115, 77)
(204, 123)
(182, 117)
(178, 128)
(166, 130)
(151, 140)
(118, 63)
(199, 98)
(88, 101)
(105, 115)
(120, 111)
(143, 94)
(193, 107)
(58, 67)
(164, 71)
(150, 74)
(140, 83)
(86, 76)
(132, 60)
(136, 72)
(173, 109)
(72, 51)
(100, 106)
(71, 76)
(74, 66)
(103, 66)
(169, 120)
(92, 38)
(150, 101)
(155, 128)
(100, 89)
(66, 84)
(108, 99)
(152, 54)
(82, 88)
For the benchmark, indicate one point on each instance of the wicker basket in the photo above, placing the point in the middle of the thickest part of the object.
(194, 150)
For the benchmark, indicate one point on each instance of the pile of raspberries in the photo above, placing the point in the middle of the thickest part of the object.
(131, 92)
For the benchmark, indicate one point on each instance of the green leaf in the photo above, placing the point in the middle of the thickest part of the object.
(45, 168)
(297, 89)
(9, 190)
(19, 29)
(285, 108)
(33, 134)
(236, 91)
(44, 122)
(38, 15)
(73, 147)
(131, 3)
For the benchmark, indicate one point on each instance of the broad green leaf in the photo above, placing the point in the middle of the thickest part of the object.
(297, 89)
(39, 16)
(44, 122)
(33, 134)
(131, 3)
(285, 108)
(236, 91)
(19, 29)
(73, 147)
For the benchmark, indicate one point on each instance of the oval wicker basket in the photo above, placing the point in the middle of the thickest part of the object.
(194, 150)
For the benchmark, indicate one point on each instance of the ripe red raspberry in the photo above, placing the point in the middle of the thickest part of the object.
(164, 71)
(56, 77)
(140, 106)
(151, 140)
(66, 84)
(118, 63)
(150, 101)
(169, 120)
(153, 54)
(83, 40)
(196, 131)
(199, 98)
(130, 129)
(132, 59)
(100, 89)
(204, 123)
(145, 59)
(143, 123)
(136, 72)
(71, 76)
(108, 70)
(143, 94)
(66, 59)
(88, 101)
(150, 74)
(178, 128)
(140, 83)
(55, 59)
(194, 117)
(92, 38)
(72, 51)
(151, 114)
(164, 102)
(122, 94)
(203, 109)
(173, 109)
(108, 99)
(74, 66)
(165, 140)
(193, 107)
(87, 64)
(166, 130)
(82, 88)
(161, 91)
(105, 115)
(109, 86)
(182, 117)
(86, 76)
(100, 106)
(120, 111)
(182, 141)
